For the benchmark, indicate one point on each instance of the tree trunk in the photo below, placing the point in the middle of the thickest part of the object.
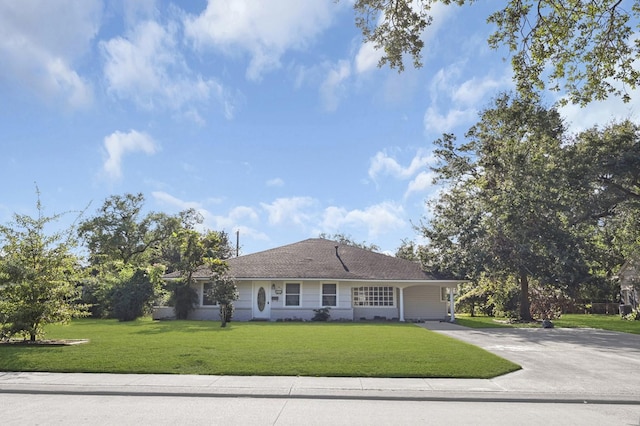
(525, 306)
(223, 316)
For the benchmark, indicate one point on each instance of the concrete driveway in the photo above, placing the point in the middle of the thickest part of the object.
(589, 362)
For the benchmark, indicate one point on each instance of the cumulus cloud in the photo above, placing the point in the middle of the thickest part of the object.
(383, 164)
(377, 219)
(455, 101)
(601, 113)
(239, 218)
(367, 58)
(333, 88)
(170, 200)
(420, 184)
(40, 41)
(436, 122)
(263, 30)
(296, 210)
(147, 68)
(119, 144)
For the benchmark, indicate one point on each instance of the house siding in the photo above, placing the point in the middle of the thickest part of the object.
(423, 303)
(420, 302)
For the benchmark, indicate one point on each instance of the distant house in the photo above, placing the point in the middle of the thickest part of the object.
(629, 276)
(289, 282)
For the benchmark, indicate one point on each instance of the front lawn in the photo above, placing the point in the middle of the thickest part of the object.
(255, 348)
(603, 322)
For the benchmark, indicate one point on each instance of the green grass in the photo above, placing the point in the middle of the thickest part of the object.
(253, 348)
(603, 322)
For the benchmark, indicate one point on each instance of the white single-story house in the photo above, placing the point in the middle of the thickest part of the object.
(289, 282)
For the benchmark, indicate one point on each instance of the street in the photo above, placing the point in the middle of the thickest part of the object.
(47, 409)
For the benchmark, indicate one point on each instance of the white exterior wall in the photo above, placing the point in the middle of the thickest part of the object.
(424, 303)
(420, 302)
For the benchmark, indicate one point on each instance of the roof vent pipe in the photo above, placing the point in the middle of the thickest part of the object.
(337, 254)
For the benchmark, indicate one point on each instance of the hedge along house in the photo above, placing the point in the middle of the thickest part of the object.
(289, 282)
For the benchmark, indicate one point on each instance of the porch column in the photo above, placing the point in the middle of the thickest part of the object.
(452, 304)
(401, 304)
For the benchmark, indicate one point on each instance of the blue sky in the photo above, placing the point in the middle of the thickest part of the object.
(268, 117)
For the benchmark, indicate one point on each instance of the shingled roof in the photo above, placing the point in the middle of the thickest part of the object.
(318, 258)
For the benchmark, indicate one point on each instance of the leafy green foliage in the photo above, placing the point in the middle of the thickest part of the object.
(184, 298)
(119, 232)
(587, 48)
(224, 292)
(134, 293)
(39, 276)
(321, 314)
(503, 213)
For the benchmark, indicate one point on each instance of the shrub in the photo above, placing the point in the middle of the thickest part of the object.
(321, 314)
(131, 297)
(183, 299)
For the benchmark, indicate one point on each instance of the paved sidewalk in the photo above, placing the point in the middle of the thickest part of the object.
(559, 365)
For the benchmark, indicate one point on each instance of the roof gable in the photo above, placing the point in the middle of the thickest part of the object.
(318, 258)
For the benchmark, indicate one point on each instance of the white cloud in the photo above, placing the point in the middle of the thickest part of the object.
(421, 183)
(238, 218)
(169, 199)
(296, 210)
(367, 58)
(41, 40)
(383, 164)
(446, 123)
(475, 89)
(601, 113)
(275, 182)
(265, 30)
(377, 219)
(332, 89)
(118, 144)
(147, 68)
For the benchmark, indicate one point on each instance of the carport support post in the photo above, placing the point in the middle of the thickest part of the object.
(452, 305)
(401, 304)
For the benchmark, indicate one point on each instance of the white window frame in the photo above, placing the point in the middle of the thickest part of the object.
(322, 295)
(299, 294)
(202, 296)
(374, 296)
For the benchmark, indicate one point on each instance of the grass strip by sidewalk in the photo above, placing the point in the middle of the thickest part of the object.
(254, 348)
(603, 322)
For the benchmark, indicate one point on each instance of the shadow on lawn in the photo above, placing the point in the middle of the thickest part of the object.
(179, 326)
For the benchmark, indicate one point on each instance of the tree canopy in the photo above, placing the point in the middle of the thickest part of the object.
(524, 200)
(119, 231)
(587, 48)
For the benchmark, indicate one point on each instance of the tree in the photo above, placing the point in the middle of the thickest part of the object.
(408, 251)
(133, 294)
(119, 232)
(193, 250)
(504, 211)
(348, 240)
(39, 276)
(224, 291)
(586, 47)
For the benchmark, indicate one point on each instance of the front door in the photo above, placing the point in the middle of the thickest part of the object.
(261, 301)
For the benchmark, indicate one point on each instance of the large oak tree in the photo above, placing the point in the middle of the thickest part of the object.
(588, 48)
